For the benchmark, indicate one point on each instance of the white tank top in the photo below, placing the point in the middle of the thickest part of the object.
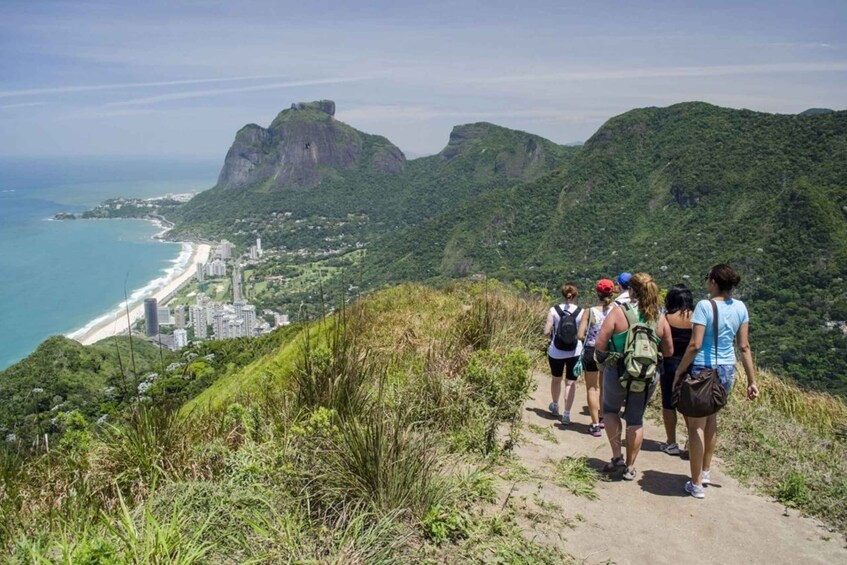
(596, 320)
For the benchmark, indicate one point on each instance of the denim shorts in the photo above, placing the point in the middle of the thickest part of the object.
(726, 373)
(614, 396)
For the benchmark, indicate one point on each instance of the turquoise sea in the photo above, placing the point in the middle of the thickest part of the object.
(56, 277)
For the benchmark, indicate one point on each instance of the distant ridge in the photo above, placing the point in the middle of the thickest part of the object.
(816, 111)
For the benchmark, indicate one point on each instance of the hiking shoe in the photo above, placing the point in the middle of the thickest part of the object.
(615, 464)
(705, 479)
(670, 448)
(566, 419)
(554, 408)
(594, 429)
(629, 474)
(694, 490)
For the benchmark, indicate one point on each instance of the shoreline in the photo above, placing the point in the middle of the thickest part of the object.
(162, 289)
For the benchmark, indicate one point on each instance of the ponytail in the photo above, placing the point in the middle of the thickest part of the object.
(569, 291)
(646, 293)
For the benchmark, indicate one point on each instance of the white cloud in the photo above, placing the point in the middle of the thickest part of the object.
(66, 89)
(22, 105)
(667, 72)
(220, 91)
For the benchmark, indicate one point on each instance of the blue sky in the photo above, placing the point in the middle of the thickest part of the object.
(179, 78)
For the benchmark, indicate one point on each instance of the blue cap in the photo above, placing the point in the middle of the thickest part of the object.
(624, 278)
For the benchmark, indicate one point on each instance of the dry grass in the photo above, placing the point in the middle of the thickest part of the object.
(816, 411)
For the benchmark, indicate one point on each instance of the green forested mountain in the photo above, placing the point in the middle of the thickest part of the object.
(351, 186)
(62, 376)
(671, 191)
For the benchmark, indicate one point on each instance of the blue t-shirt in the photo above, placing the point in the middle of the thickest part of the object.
(731, 315)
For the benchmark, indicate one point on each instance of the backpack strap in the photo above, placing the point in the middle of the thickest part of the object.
(631, 315)
(715, 328)
(576, 312)
(559, 311)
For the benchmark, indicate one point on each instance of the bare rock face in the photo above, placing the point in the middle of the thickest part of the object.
(389, 159)
(300, 145)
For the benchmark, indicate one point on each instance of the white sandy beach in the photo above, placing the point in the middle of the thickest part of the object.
(115, 322)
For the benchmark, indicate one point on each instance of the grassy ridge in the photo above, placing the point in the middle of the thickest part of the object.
(790, 444)
(371, 446)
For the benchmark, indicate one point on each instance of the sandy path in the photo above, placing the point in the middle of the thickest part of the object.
(651, 520)
(116, 322)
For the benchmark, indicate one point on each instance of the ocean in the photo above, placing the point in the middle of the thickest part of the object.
(57, 277)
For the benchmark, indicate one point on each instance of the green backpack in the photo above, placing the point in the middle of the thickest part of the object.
(640, 358)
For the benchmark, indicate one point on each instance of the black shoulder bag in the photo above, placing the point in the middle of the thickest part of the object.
(702, 395)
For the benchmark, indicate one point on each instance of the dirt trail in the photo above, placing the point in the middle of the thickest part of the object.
(652, 520)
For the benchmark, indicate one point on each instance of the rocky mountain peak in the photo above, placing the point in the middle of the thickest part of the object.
(325, 106)
(302, 144)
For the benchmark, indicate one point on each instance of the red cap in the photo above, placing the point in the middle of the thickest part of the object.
(605, 286)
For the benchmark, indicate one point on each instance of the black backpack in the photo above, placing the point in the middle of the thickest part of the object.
(566, 331)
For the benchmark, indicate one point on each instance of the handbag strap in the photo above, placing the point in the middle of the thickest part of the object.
(715, 328)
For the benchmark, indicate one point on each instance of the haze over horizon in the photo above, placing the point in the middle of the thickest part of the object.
(159, 79)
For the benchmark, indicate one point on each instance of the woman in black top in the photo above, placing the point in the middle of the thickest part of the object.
(679, 305)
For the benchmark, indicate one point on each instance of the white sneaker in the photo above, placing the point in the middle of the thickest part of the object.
(694, 490)
(670, 448)
(705, 479)
(554, 408)
(566, 420)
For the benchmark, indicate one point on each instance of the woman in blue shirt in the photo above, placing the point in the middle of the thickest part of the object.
(733, 320)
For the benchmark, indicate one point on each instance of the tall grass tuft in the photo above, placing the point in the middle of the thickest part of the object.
(156, 542)
(151, 445)
(381, 461)
(295, 534)
(333, 374)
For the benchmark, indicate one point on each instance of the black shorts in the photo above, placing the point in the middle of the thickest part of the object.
(669, 367)
(558, 367)
(588, 362)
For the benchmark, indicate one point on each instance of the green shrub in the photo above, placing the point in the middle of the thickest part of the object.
(792, 491)
(442, 524)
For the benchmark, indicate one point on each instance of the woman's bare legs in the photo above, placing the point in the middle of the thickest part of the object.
(669, 419)
(592, 393)
(697, 447)
(555, 389)
(570, 394)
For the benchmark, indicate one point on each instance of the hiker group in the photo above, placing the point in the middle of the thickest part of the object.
(627, 345)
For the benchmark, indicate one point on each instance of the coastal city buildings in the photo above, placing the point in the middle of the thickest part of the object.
(224, 250)
(151, 317)
(206, 318)
(179, 317)
(237, 291)
(180, 339)
(216, 268)
(164, 315)
(197, 320)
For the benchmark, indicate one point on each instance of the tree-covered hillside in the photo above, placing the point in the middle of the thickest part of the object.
(671, 191)
(353, 194)
(63, 376)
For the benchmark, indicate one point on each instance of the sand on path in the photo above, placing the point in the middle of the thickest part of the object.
(652, 520)
(116, 322)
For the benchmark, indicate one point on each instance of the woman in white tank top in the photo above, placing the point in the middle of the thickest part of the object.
(588, 329)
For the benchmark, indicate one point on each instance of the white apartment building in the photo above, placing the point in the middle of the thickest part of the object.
(180, 339)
